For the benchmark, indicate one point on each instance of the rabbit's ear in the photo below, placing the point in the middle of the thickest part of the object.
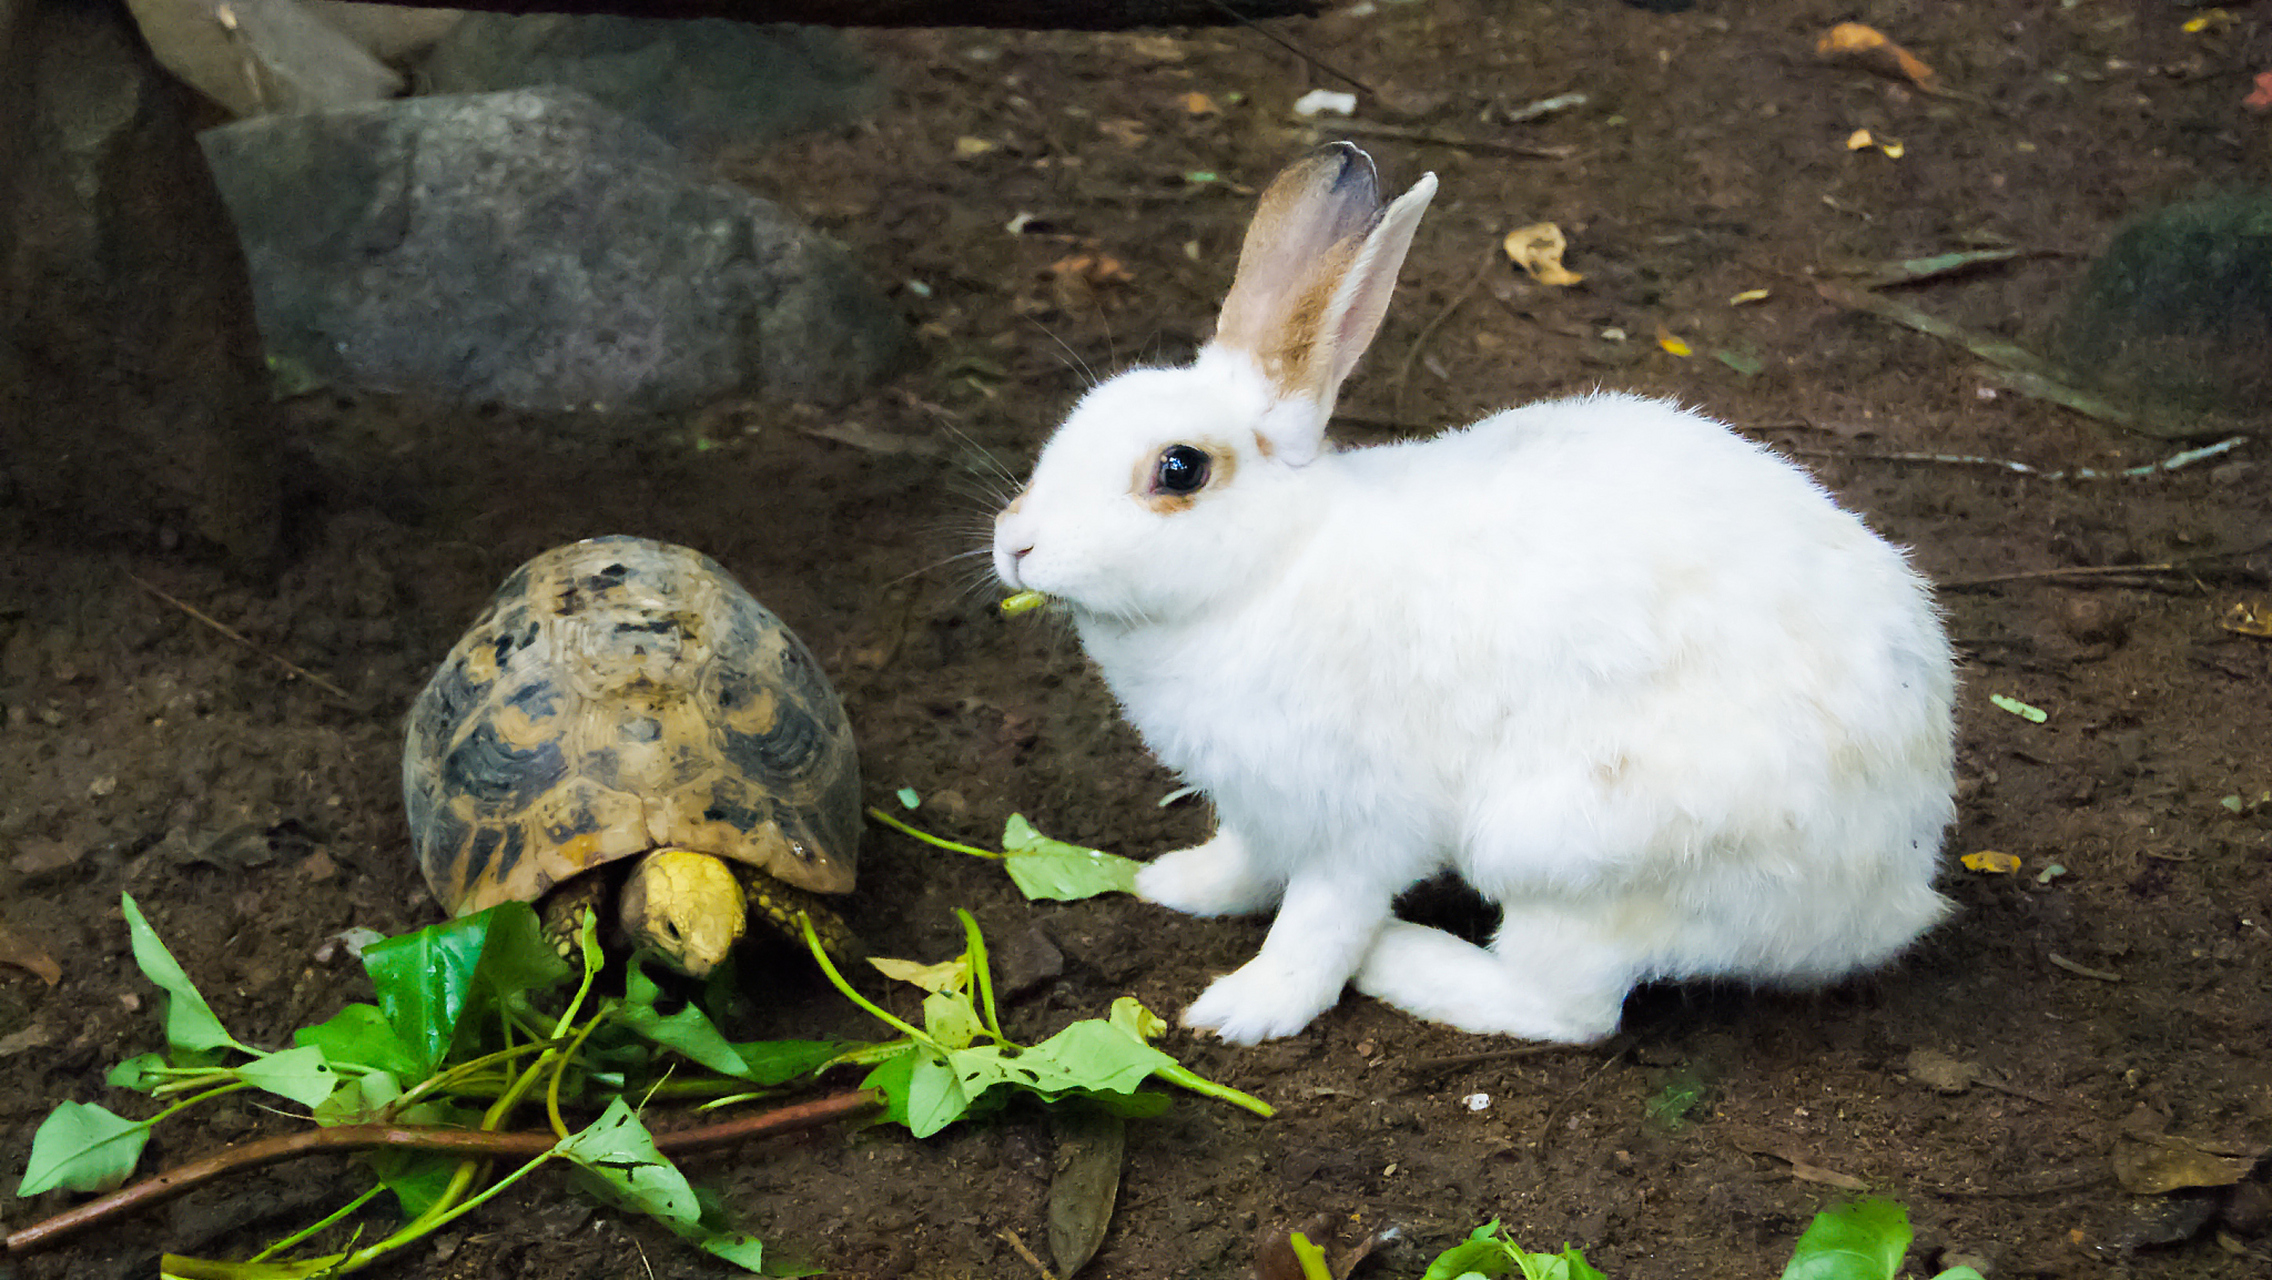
(1314, 279)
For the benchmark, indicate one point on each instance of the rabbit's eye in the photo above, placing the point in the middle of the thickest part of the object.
(1181, 469)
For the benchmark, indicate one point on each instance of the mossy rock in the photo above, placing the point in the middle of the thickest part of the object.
(2178, 309)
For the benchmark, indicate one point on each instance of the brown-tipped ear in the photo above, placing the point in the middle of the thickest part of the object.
(1318, 202)
(1361, 299)
(1316, 272)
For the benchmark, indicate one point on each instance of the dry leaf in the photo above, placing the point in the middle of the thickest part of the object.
(1538, 249)
(2248, 618)
(967, 146)
(2158, 1164)
(22, 953)
(1126, 132)
(1940, 1072)
(1086, 1183)
(1672, 343)
(1989, 862)
(1868, 48)
(2260, 97)
(1198, 104)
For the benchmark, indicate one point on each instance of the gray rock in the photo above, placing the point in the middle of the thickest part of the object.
(697, 82)
(133, 403)
(535, 249)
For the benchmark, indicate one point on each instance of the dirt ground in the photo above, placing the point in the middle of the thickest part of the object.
(2117, 987)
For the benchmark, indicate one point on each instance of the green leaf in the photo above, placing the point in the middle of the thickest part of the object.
(191, 1025)
(361, 1036)
(951, 1019)
(1862, 1240)
(777, 1062)
(141, 1073)
(299, 1074)
(627, 1171)
(359, 1099)
(429, 981)
(1488, 1252)
(417, 1178)
(688, 1032)
(936, 1097)
(83, 1147)
(894, 1079)
(1043, 868)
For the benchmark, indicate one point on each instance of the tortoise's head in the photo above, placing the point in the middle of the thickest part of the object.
(684, 906)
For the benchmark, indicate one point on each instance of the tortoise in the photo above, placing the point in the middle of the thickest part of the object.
(625, 721)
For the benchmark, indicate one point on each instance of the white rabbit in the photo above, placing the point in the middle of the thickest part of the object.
(1637, 680)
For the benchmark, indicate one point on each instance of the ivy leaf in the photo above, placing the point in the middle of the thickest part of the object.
(1862, 1240)
(83, 1147)
(361, 1036)
(1043, 868)
(1488, 1251)
(141, 1073)
(627, 1171)
(299, 1074)
(191, 1025)
(429, 981)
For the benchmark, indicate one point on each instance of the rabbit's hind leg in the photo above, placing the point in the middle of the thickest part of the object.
(1546, 977)
(1218, 878)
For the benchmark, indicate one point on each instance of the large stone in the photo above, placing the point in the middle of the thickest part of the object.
(534, 249)
(697, 83)
(132, 398)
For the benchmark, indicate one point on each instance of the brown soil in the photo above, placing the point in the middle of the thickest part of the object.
(255, 816)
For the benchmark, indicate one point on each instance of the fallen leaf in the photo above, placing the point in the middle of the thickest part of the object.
(1940, 1072)
(36, 1036)
(1538, 249)
(1198, 104)
(2260, 97)
(1989, 862)
(1672, 343)
(1751, 295)
(1077, 282)
(2248, 618)
(1086, 1183)
(2152, 1165)
(39, 855)
(1128, 133)
(1868, 48)
(966, 147)
(1325, 102)
(1863, 140)
(20, 952)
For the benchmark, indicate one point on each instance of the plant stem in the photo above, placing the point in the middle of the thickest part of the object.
(827, 966)
(483, 1145)
(1177, 1073)
(305, 1232)
(981, 976)
(929, 839)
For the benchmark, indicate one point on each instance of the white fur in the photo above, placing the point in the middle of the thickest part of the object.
(1634, 678)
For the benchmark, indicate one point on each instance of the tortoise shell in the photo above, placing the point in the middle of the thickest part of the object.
(620, 695)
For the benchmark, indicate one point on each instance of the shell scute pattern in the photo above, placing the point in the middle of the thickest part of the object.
(619, 695)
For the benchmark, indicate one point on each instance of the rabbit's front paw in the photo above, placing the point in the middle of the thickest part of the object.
(1259, 1003)
(1212, 879)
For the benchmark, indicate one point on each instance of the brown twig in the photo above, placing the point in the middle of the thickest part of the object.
(462, 1142)
(238, 636)
(1028, 1254)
